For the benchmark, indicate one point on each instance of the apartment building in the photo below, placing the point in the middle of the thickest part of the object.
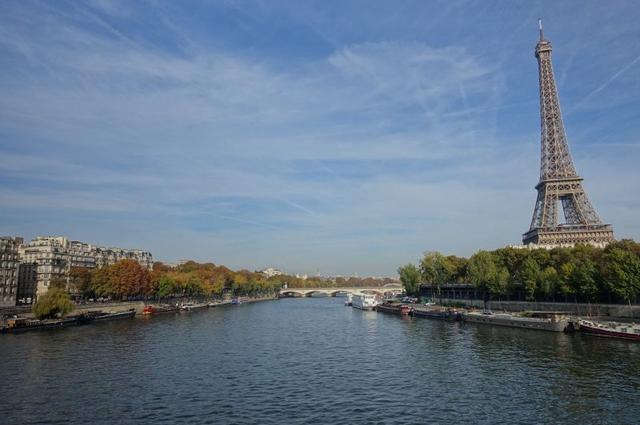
(9, 261)
(27, 283)
(107, 256)
(53, 257)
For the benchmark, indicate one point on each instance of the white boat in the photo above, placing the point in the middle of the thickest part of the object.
(349, 299)
(364, 301)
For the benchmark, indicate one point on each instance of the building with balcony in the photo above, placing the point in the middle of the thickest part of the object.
(27, 283)
(9, 261)
(53, 258)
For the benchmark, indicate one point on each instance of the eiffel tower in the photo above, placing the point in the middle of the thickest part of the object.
(559, 183)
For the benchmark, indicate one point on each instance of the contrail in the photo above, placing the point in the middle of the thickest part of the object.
(298, 206)
(606, 83)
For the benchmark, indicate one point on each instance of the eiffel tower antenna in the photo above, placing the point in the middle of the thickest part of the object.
(540, 27)
(559, 183)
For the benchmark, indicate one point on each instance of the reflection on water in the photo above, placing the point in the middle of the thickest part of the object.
(313, 360)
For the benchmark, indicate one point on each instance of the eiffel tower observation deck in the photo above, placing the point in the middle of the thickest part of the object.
(559, 183)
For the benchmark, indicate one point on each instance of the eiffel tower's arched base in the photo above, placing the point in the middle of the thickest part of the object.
(597, 235)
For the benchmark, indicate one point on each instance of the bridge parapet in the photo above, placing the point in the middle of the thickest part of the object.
(332, 292)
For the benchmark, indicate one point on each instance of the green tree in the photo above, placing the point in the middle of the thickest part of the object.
(486, 274)
(194, 285)
(166, 286)
(622, 273)
(460, 268)
(53, 303)
(549, 281)
(101, 281)
(410, 278)
(530, 276)
(437, 270)
(565, 279)
(583, 278)
(511, 259)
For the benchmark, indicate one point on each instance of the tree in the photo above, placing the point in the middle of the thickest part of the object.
(566, 272)
(80, 280)
(437, 270)
(549, 281)
(583, 278)
(410, 278)
(124, 278)
(58, 282)
(622, 273)
(53, 303)
(194, 285)
(240, 283)
(530, 276)
(166, 286)
(487, 275)
(460, 268)
(511, 259)
(625, 245)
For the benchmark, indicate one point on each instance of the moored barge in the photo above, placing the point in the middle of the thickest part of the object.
(159, 309)
(630, 331)
(437, 313)
(21, 324)
(543, 321)
(193, 306)
(102, 316)
(394, 308)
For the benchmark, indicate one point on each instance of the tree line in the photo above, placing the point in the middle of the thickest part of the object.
(128, 279)
(580, 273)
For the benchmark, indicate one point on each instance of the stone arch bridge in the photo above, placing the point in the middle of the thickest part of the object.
(332, 292)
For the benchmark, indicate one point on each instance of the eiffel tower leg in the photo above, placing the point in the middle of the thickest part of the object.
(550, 218)
(538, 211)
(572, 211)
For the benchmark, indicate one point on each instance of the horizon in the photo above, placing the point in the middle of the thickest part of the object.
(345, 140)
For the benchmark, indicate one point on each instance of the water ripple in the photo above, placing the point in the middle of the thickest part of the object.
(313, 361)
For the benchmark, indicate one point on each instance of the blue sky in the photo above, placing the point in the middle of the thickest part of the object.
(337, 137)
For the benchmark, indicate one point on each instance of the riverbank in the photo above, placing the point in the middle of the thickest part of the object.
(136, 308)
(609, 311)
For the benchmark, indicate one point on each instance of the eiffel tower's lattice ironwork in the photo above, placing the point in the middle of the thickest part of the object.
(559, 183)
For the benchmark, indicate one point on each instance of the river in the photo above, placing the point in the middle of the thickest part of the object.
(313, 361)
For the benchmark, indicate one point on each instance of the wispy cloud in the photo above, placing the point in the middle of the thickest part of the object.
(249, 140)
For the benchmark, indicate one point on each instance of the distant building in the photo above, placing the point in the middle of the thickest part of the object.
(53, 257)
(270, 272)
(9, 261)
(27, 283)
(108, 256)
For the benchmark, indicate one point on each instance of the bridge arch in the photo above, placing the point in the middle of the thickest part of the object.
(292, 293)
(310, 293)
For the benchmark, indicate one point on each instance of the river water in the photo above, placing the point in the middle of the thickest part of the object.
(313, 361)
